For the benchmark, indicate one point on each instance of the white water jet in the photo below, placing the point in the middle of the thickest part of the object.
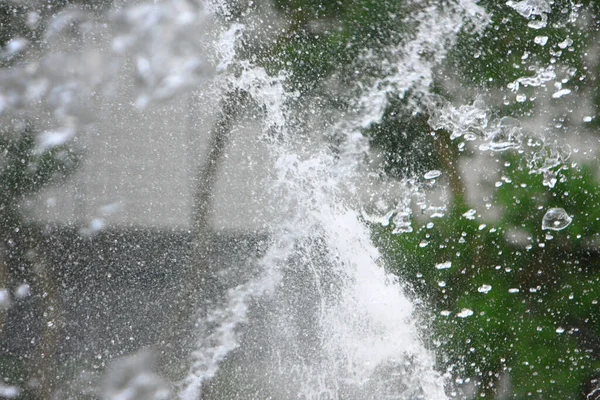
(364, 342)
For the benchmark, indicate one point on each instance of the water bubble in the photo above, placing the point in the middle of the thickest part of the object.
(560, 330)
(484, 289)
(432, 174)
(542, 75)
(385, 220)
(549, 178)
(505, 135)
(556, 219)
(513, 290)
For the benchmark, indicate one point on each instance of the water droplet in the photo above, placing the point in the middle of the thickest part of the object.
(521, 98)
(444, 265)
(528, 8)
(484, 289)
(541, 40)
(442, 284)
(565, 43)
(538, 24)
(464, 313)
(505, 135)
(432, 174)
(561, 93)
(9, 392)
(402, 223)
(13, 48)
(470, 214)
(22, 291)
(560, 330)
(513, 290)
(556, 219)
(385, 220)
(423, 243)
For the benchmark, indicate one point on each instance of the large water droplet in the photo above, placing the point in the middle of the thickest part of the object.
(444, 265)
(541, 40)
(561, 93)
(484, 289)
(556, 219)
(432, 174)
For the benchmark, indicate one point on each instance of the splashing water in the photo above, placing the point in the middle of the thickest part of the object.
(362, 341)
(556, 219)
(338, 325)
(321, 318)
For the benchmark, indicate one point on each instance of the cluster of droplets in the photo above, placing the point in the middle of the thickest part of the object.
(411, 64)
(473, 123)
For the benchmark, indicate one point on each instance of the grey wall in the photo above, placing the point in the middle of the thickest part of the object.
(140, 167)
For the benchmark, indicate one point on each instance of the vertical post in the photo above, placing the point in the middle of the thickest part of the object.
(192, 284)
